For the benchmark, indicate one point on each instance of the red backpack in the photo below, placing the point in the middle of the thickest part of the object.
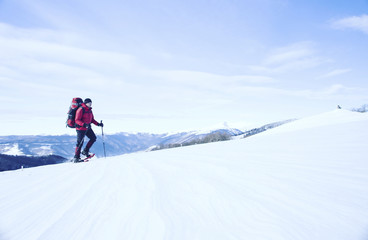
(76, 103)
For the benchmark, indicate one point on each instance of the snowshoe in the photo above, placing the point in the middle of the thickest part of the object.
(86, 159)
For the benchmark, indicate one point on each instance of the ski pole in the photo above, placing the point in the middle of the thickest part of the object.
(103, 141)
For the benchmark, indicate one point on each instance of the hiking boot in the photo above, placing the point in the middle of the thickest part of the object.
(86, 153)
(77, 159)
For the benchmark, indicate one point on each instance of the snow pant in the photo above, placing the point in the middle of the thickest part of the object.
(80, 140)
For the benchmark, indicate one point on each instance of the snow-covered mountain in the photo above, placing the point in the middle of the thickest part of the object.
(304, 180)
(11, 149)
(116, 144)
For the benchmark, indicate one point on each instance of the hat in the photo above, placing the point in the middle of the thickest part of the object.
(87, 100)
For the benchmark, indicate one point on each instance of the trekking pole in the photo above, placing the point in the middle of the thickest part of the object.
(103, 141)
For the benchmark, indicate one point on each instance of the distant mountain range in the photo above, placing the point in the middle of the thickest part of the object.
(120, 143)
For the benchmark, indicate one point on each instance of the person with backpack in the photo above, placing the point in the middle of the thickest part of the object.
(83, 119)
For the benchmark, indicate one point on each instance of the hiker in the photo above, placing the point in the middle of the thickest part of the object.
(83, 119)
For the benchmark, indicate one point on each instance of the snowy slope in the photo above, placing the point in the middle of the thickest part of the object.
(306, 181)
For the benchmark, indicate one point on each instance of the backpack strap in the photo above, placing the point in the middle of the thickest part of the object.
(82, 115)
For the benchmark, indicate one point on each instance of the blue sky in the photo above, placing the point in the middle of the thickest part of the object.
(159, 66)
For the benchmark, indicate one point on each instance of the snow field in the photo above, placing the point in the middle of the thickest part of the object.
(306, 180)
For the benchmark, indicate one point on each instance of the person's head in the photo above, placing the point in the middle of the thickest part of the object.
(88, 102)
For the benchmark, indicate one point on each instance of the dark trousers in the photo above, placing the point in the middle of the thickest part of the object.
(80, 140)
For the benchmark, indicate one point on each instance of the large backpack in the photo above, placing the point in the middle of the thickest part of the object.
(76, 103)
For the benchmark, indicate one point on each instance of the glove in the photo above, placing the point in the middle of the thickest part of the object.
(100, 124)
(86, 125)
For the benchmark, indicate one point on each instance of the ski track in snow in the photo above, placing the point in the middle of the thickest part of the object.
(305, 183)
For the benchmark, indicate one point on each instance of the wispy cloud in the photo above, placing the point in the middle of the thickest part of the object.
(335, 73)
(290, 53)
(38, 60)
(359, 23)
(295, 57)
(325, 93)
(42, 57)
(210, 80)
